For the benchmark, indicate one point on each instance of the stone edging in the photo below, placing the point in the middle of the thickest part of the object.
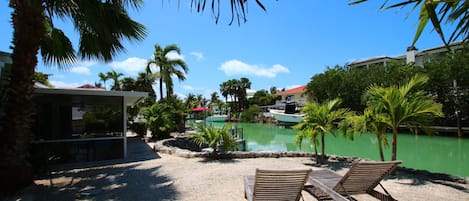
(160, 147)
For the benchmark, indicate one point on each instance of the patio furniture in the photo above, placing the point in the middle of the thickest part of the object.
(361, 178)
(275, 184)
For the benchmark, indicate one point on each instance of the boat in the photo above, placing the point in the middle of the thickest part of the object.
(281, 116)
(290, 115)
(217, 118)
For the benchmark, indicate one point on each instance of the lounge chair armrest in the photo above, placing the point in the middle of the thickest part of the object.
(331, 193)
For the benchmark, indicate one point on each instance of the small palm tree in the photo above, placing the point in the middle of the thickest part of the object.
(319, 119)
(359, 124)
(403, 105)
(215, 139)
(307, 132)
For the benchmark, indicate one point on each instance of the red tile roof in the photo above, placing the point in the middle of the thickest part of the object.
(295, 90)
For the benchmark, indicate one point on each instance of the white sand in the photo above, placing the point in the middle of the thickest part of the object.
(171, 177)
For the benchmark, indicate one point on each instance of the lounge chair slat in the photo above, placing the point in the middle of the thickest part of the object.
(362, 177)
(275, 184)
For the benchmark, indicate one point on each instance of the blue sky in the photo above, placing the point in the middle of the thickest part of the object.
(283, 47)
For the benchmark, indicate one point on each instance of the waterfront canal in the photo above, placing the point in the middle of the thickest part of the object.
(433, 153)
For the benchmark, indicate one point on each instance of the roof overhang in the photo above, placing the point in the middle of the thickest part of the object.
(130, 97)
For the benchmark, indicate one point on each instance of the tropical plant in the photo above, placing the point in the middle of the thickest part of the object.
(367, 122)
(145, 82)
(438, 11)
(42, 78)
(167, 67)
(128, 84)
(250, 114)
(101, 25)
(403, 105)
(238, 8)
(113, 75)
(103, 77)
(319, 120)
(217, 139)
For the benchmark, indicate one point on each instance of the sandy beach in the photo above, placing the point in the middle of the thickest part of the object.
(154, 176)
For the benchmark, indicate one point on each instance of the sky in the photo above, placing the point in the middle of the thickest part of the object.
(282, 47)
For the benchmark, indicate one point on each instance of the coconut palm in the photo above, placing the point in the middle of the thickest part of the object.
(167, 67)
(101, 25)
(113, 75)
(243, 85)
(359, 124)
(319, 120)
(403, 105)
(103, 77)
(215, 139)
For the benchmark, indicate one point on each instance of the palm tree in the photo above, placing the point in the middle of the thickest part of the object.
(102, 26)
(403, 105)
(319, 119)
(359, 124)
(224, 90)
(113, 75)
(145, 82)
(167, 67)
(437, 12)
(103, 77)
(191, 101)
(244, 84)
(215, 139)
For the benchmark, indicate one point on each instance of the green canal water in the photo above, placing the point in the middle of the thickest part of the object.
(433, 153)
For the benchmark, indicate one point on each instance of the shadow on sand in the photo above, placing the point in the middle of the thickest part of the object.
(416, 177)
(121, 179)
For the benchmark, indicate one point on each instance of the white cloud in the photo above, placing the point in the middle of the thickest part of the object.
(236, 67)
(81, 70)
(174, 56)
(188, 87)
(131, 65)
(60, 84)
(198, 55)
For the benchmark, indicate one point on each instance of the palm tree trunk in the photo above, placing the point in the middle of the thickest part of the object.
(161, 84)
(316, 152)
(28, 27)
(394, 143)
(323, 150)
(380, 146)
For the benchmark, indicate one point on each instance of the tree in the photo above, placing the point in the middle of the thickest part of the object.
(167, 67)
(128, 84)
(437, 11)
(191, 102)
(359, 124)
(103, 77)
(42, 78)
(102, 26)
(113, 75)
(215, 139)
(238, 8)
(403, 105)
(145, 82)
(244, 84)
(318, 121)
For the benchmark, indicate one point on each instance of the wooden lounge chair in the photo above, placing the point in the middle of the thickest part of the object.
(275, 184)
(361, 178)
